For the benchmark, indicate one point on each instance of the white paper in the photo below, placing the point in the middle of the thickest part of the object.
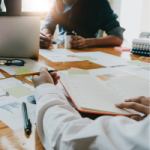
(143, 71)
(54, 51)
(59, 55)
(12, 114)
(129, 88)
(1, 76)
(110, 73)
(105, 59)
(31, 64)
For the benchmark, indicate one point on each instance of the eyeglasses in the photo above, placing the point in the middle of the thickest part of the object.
(9, 62)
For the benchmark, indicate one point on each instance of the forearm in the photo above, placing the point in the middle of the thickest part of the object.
(109, 40)
(46, 31)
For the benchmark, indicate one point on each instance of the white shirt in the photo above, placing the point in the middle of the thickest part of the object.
(61, 127)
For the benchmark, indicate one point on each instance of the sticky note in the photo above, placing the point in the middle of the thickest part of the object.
(19, 91)
(138, 63)
(80, 69)
(76, 71)
(23, 70)
(120, 49)
(86, 58)
(103, 78)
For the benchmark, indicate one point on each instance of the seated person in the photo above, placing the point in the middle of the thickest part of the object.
(85, 18)
(61, 127)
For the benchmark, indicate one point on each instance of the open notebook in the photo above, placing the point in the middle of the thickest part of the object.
(92, 95)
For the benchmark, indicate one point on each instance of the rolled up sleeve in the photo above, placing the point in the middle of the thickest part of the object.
(118, 32)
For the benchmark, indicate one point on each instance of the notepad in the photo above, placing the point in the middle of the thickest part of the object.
(92, 95)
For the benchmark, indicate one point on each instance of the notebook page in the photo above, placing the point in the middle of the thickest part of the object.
(93, 94)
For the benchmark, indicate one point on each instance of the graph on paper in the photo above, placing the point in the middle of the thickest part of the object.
(9, 107)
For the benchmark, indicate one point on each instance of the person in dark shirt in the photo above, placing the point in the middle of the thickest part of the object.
(84, 17)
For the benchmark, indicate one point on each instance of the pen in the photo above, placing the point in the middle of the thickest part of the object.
(27, 123)
(33, 73)
(45, 35)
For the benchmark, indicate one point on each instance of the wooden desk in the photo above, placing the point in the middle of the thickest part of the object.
(16, 140)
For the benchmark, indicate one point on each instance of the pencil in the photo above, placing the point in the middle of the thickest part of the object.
(33, 73)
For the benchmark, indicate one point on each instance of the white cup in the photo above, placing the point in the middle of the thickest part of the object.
(68, 38)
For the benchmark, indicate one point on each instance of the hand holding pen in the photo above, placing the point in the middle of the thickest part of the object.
(45, 40)
(45, 77)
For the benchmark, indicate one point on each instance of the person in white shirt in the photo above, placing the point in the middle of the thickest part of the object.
(61, 127)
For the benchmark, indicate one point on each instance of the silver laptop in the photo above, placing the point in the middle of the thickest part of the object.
(19, 37)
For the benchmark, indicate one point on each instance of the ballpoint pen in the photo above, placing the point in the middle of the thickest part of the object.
(27, 123)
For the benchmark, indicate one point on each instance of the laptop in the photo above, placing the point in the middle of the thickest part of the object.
(19, 37)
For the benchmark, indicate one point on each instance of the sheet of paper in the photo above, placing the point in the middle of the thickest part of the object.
(31, 64)
(1, 76)
(54, 51)
(138, 63)
(143, 71)
(110, 73)
(93, 94)
(11, 112)
(10, 106)
(19, 91)
(86, 58)
(60, 57)
(129, 88)
(105, 59)
(77, 71)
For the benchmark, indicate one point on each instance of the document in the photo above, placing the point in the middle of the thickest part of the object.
(143, 71)
(105, 59)
(55, 51)
(11, 103)
(11, 112)
(110, 73)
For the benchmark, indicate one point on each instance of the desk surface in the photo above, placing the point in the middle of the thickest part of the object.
(16, 140)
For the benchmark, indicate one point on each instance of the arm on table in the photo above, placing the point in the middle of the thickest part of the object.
(61, 127)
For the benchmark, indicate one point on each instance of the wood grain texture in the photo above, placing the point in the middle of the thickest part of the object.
(17, 140)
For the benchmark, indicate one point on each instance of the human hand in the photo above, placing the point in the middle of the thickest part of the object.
(78, 42)
(45, 42)
(45, 77)
(140, 104)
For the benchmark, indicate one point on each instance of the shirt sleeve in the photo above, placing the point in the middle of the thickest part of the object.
(108, 20)
(51, 17)
(61, 127)
(118, 32)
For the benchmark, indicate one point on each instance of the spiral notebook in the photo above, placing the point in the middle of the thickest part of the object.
(92, 95)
